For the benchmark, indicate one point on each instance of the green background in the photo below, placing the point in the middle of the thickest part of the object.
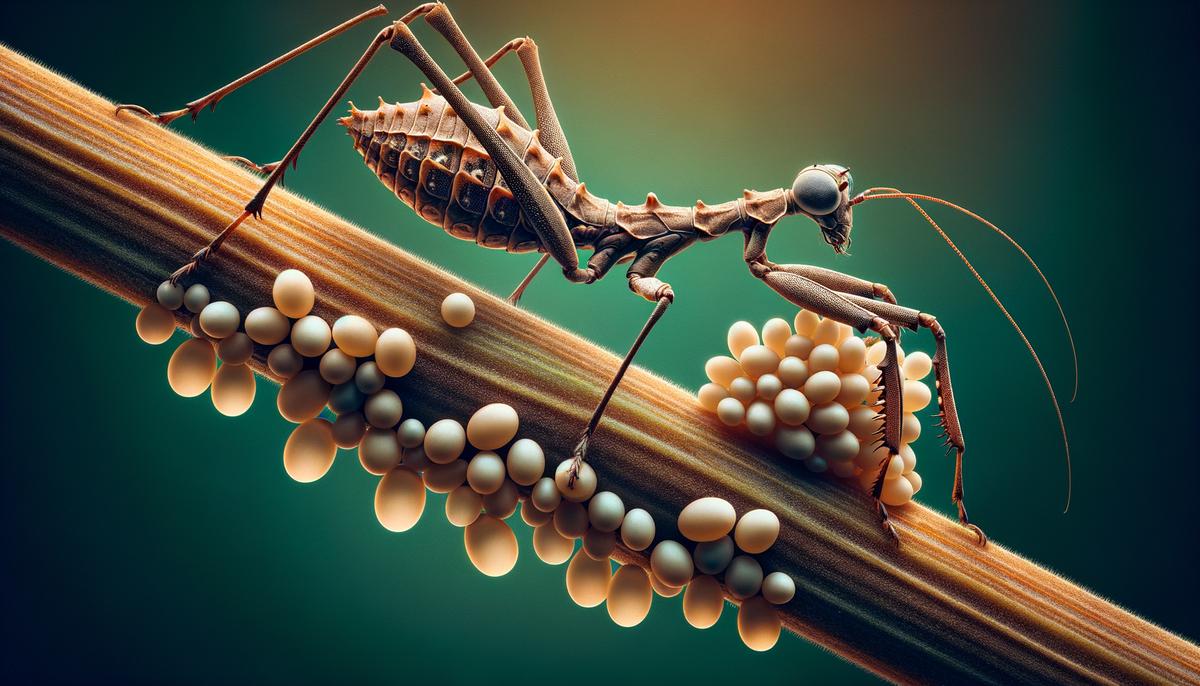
(147, 538)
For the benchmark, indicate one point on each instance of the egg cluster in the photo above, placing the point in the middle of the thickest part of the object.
(815, 390)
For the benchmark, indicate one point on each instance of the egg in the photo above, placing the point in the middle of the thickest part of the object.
(629, 596)
(492, 426)
(309, 451)
(743, 388)
(293, 293)
(829, 418)
(368, 378)
(798, 346)
(910, 428)
(491, 545)
(267, 325)
(722, 370)
(637, 529)
(710, 394)
(605, 511)
(706, 519)
(284, 361)
(743, 576)
(348, 430)
(864, 422)
(155, 324)
(916, 366)
(169, 295)
(384, 409)
(411, 433)
(463, 506)
(599, 545)
(443, 478)
(775, 334)
(588, 579)
(570, 519)
(354, 335)
(525, 461)
(791, 406)
(337, 367)
(768, 386)
(584, 485)
(916, 396)
(703, 601)
(395, 352)
(822, 387)
(839, 447)
(196, 297)
(552, 547)
(778, 588)
(233, 389)
(533, 516)
(311, 336)
(852, 354)
(671, 563)
(758, 360)
(914, 479)
(485, 473)
(399, 499)
(545, 495)
(345, 398)
(731, 412)
(824, 358)
(756, 531)
(235, 349)
(875, 353)
(303, 396)
(806, 322)
(458, 310)
(444, 441)
(741, 335)
(855, 389)
(219, 319)
(797, 443)
(379, 451)
(191, 368)
(827, 332)
(760, 418)
(897, 492)
(758, 624)
(414, 458)
(712, 557)
(664, 590)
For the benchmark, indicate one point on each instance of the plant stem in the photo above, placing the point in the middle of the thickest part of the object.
(122, 202)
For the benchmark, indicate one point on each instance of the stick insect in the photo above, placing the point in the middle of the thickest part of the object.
(484, 174)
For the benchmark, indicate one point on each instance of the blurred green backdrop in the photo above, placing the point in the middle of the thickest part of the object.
(146, 538)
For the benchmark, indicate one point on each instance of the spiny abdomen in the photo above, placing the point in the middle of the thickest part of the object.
(424, 153)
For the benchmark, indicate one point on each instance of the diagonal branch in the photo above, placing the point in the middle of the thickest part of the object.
(121, 202)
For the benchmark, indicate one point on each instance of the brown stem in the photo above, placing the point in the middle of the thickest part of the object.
(122, 202)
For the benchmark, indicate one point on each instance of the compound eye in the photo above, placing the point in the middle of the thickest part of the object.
(816, 191)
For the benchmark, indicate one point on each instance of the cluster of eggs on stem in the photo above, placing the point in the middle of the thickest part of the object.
(815, 391)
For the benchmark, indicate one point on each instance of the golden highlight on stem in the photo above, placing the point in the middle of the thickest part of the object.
(122, 202)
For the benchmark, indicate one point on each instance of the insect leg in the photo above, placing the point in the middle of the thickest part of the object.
(536, 204)
(194, 107)
(948, 413)
(842, 283)
(642, 281)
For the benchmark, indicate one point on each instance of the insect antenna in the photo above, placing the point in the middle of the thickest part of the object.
(886, 193)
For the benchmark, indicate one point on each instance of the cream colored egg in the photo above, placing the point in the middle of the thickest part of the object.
(822, 387)
(855, 389)
(722, 370)
(916, 396)
(533, 516)
(838, 447)
(671, 563)
(571, 519)
(852, 355)
(844, 331)
(743, 576)
(760, 418)
(830, 418)
(797, 442)
(916, 366)
(908, 457)
(293, 293)
(806, 322)
(444, 441)
(871, 455)
(664, 590)
(379, 451)
(798, 346)
(756, 531)
(155, 324)
(712, 557)
(588, 579)
(911, 428)
(775, 334)
(309, 451)
(552, 547)
(703, 601)
(492, 426)
(896, 492)
(169, 295)
(731, 412)
(791, 406)
(827, 332)
(629, 596)
(348, 430)
(503, 501)
(895, 468)
(196, 298)
(192, 367)
(463, 506)
(400, 499)
(458, 310)
(584, 484)
(395, 352)
(768, 386)
(485, 473)
(267, 325)
(491, 545)
(707, 519)
(758, 360)
(599, 545)
(220, 319)
(354, 335)
(710, 394)
(311, 336)
(743, 388)
(443, 478)
(864, 422)
(824, 358)
(303, 396)
(411, 433)
(233, 389)
(914, 479)
(545, 495)
(793, 372)
(637, 529)
(525, 461)
(337, 367)
(384, 409)
(875, 353)
(606, 510)
(741, 335)
(235, 349)
(284, 361)
(758, 624)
